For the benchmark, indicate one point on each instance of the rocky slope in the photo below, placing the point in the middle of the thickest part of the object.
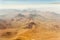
(30, 24)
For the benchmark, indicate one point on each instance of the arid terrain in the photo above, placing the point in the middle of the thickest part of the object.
(29, 25)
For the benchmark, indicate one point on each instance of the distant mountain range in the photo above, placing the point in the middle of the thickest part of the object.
(11, 13)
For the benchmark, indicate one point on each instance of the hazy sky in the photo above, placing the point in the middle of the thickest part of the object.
(28, 1)
(33, 4)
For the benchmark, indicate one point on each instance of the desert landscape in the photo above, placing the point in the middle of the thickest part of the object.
(29, 25)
